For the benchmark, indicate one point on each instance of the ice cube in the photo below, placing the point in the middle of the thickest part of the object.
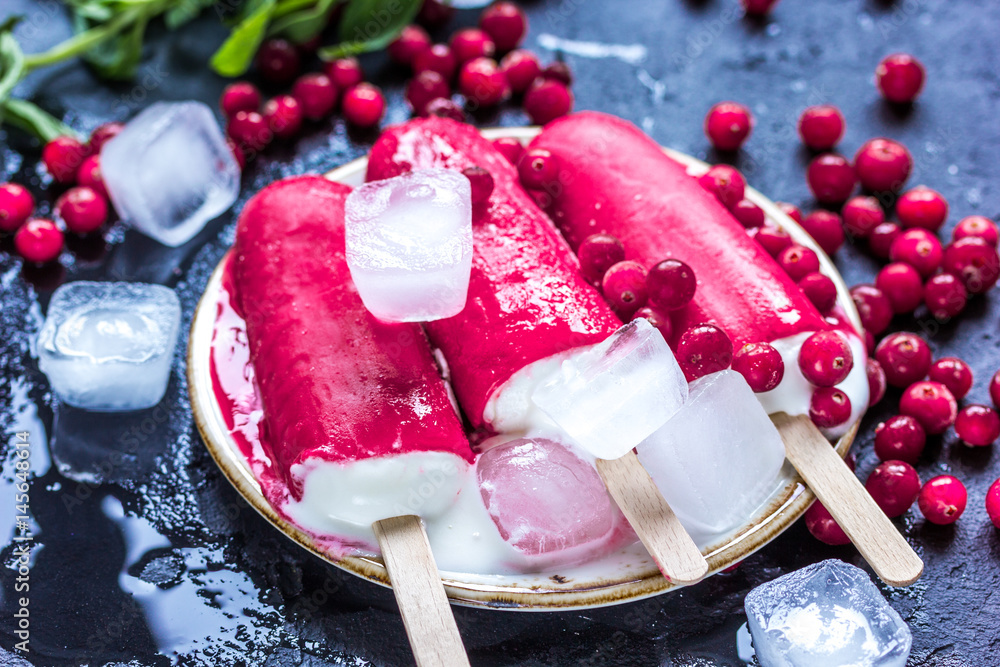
(409, 244)
(613, 395)
(170, 171)
(543, 497)
(108, 346)
(826, 615)
(716, 460)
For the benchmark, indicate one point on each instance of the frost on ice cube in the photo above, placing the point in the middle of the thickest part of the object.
(409, 244)
(108, 346)
(716, 460)
(826, 615)
(613, 395)
(170, 171)
(542, 497)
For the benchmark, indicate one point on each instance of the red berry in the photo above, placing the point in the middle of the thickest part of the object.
(423, 88)
(974, 262)
(89, 175)
(435, 13)
(16, 205)
(284, 116)
(900, 438)
(931, 404)
(823, 527)
(704, 349)
(791, 210)
(538, 169)
(624, 287)
(774, 239)
(894, 486)
(444, 107)
(511, 148)
(547, 100)
(876, 381)
(726, 183)
(825, 359)
(597, 254)
(873, 306)
(900, 77)
(482, 82)
(825, 227)
(749, 214)
(902, 284)
(657, 319)
(831, 178)
(522, 68)
(758, 7)
(922, 207)
(239, 96)
(278, 61)
(671, 284)
(942, 500)
(905, 357)
(62, 157)
(82, 209)
(558, 71)
(798, 261)
(505, 23)
(316, 94)
(953, 373)
(821, 127)
(364, 105)
(977, 425)
(471, 43)
(861, 215)
(995, 389)
(438, 58)
(918, 248)
(869, 342)
(102, 134)
(728, 125)
(760, 365)
(976, 225)
(820, 290)
(829, 407)
(881, 238)
(39, 241)
(883, 165)
(945, 296)
(412, 40)
(482, 183)
(993, 503)
(250, 130)
(345, 73)
(241, 157)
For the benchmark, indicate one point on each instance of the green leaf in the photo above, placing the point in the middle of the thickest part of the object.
(303, 25)
(11, 58)
(119, 56)
(369, 25)
(237, 52)
(184, 11)
(28, 117)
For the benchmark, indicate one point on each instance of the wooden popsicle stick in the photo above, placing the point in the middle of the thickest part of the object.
(423, 604)
(654, 522)
(836, 486)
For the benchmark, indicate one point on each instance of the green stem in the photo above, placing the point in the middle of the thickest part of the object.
(86, 40)
(289, 6)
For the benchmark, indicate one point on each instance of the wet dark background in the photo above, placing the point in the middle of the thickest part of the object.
(150, 558)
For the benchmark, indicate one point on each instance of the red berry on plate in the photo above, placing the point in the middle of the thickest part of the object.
(39, 241)
(284, 116)
(825, 359)
(773, 239)
(624, 287)
(704, 349)
(671, 284)
(656, 319)
(522, 68)
(505, 23)
(250, 130)
(831, 178)
(829, 407)
(82, 209)
(760, 365)
(725, 182)
(239, 96)
(364, 105)
(424, 87)
(931, 404)
(900, 438)
(993, 503)
(16, 205)
(89, 175)
(727, 125)
(826, 228)
(942, 500)
(906, 358)
(435, 13)
(824, 527)
(922, 207)
(861, 215)
(974, 262)
(820, 290)
(902, 284)
(438, 58)
(547, 100)
(278, 61)
(102, 134)
(900, 78)
(482, 82)
(821, 127)
(876, 381)
(538, 169)
(511, 148)
(953, 373)
(798, 261)
(444, 107)
(791, 210)
(873, 306)
(471, 43)
(977, 425)
(881, 238)
(883, 165)
(894, 486)
(558, 71)
(749, 214)
(412, 40)
(62, 158)
(345, 73)
(995, 389)
(481, 182)
(945, 296)
(979, 226)
(597, 254)
(316, 94)
(918, 248)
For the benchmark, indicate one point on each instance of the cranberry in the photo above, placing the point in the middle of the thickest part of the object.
(727, 125)
(831, 178)
(39, 241)
(922, 207)
(346, 73)
(758, 7)
(423, 88)
(89, 175)
(974, 262)
(239, 96)
(952, 373)
(902, 284)
(942, 500)
(597, 254)
(624, 287)
(945, 296)
(931, 404)
(798, 261)
(876, 381)
(791, 210)
(522, 68)
(538, 169)
(511, 148)
(482, 82)
(918, 248)
(364, 105)
(102, 134)
(894, 486)
(671, 284)
(869, 342)
(249, 130)
(438, 58)
(558, 71)
(820, 290)
(445, 108)
(825, 359)
(704, 349)
(774, 239)
(505, 23)
(824, 527)
(906, 358)
(547, 100)
(471, 43)
(825, 227)
(821, 127)
(749, 214)
(284, 116)
(883, 165)
(979, 226)
(977, 425)
(412, 40)
(62, 157)
(993, 503)
(316, 94)
(278, 61)
(481, 182)
(900, 77)
(900, 438)
(760, 365)
(726, 183)
(435, 13)
(861, 215)
(656, 319)
(995, 389)
(829, 407)
(82, 209)
(16, 205)
(873, 306)
(241, 157)
(881, 238)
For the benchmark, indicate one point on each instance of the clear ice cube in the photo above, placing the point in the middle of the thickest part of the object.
(715, 461)
(108, 346)
(613, 395)
(170, 171)
(826, 615)
(409, 244)
(542, 497)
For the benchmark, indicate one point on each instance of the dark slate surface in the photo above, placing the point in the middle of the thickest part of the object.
(151, 558)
